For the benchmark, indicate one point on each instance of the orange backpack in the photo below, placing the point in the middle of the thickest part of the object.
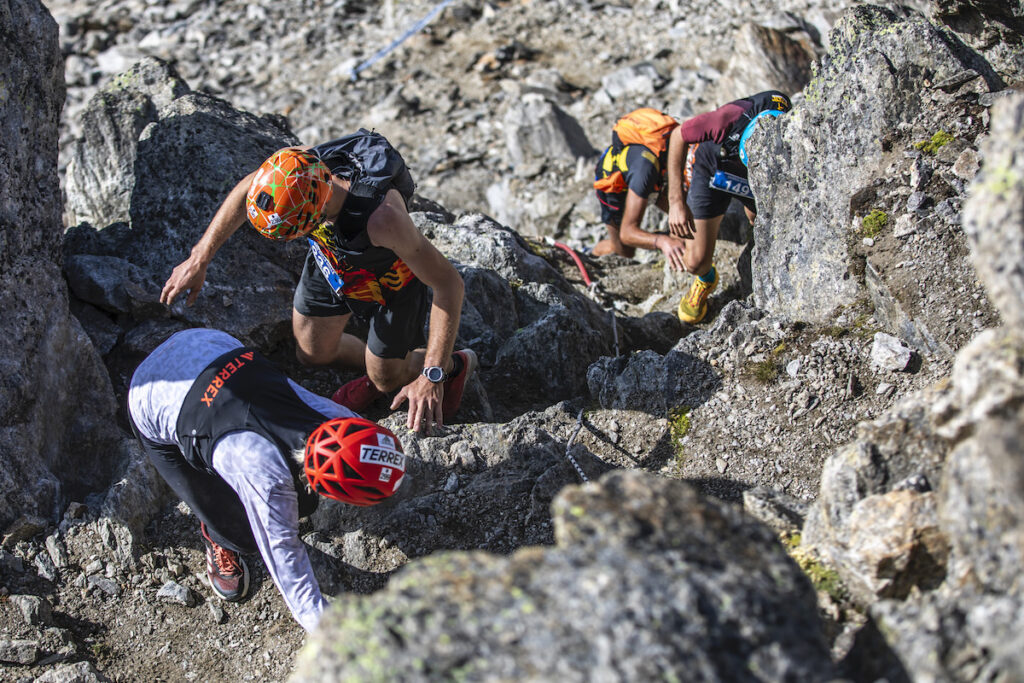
(647, 127)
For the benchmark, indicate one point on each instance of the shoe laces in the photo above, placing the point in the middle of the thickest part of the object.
(226, 560)
(697, 292)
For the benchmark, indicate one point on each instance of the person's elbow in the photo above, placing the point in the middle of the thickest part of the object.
(455, 286)
(449, 289)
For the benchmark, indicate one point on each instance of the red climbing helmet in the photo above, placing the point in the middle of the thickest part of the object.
(354, 460)
(288, 194)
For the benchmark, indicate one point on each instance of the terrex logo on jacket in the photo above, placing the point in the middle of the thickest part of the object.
(223, 375)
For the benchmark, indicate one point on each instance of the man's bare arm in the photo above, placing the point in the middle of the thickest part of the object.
(633, 235)
(680, 218)
(391, 227)
(190, 274)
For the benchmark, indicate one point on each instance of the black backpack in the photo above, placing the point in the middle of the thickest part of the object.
(372, 166)
(369, 162)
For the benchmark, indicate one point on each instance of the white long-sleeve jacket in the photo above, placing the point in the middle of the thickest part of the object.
(248, 462)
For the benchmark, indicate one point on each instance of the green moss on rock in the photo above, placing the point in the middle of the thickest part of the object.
(872, 224)
(939, 140)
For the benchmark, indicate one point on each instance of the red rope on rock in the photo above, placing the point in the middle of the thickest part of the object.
(576, 258)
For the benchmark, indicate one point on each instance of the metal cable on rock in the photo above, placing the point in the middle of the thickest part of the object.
(568, 448)
(591, 286)
(414, 29)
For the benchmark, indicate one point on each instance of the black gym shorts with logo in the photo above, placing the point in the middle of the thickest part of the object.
(395, 329)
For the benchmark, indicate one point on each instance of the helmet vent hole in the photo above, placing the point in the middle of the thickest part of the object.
(353, 428)
(264, 201)
(368, 489)
(349, 472)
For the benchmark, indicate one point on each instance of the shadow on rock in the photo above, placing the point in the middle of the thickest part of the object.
(652, 383)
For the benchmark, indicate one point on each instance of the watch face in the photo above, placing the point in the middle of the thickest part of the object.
(434, 374)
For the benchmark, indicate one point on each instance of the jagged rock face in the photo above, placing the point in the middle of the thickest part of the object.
(148, 176)
(994, 27)
(1005, 12)
(100, 186)
(647, 581)
(833, 147)
(950, 460)
(764, 58)
(999, 254)
(56, 405)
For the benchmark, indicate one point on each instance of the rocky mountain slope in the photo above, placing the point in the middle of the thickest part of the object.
(856, 389)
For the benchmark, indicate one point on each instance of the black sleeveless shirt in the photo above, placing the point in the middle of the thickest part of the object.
(243, 391)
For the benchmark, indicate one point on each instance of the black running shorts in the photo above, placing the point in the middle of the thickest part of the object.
(395, 329)
(705, 201)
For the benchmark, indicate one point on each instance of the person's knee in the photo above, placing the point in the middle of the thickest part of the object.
(609, 246)
(698, 261)
(603, 248)
(317, 339)
(304, 357)
(309, 356)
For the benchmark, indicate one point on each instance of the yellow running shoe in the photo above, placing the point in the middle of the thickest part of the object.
(694, 306)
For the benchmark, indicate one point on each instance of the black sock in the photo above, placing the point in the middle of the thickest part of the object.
(456, 365)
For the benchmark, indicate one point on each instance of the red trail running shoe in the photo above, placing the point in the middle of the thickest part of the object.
(455, 386)
(225, 569)
(357, 395)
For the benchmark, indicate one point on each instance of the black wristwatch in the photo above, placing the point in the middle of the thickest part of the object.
(435, 374)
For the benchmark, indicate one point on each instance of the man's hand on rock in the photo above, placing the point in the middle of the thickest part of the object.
(188, 276)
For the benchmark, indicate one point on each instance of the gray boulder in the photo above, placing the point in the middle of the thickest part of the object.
(79, 672)
(811, 168)
(153, 166)
(99, 190)
(536, 332)
(994, 27)
(647, 581)
(966, 628)
(632, 82)
(537, 130)
(849, 525)
(764, 58)
(999, 254)
(650, 382)
(56, 398)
